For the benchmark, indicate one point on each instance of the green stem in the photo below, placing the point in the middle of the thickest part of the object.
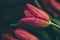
(37, 3)
(15, 24)
(55, 24)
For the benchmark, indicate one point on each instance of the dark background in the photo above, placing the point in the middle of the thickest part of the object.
(10, 12)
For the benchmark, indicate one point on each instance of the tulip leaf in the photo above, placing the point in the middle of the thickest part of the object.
(57, 38)
(37, 3)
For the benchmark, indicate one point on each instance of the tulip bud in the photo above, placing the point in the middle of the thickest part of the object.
(55, 4)
(42, 15)
(36, 17)
(8, 37)
(52, 6)
(24, 35)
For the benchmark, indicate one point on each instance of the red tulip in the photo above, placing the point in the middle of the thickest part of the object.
(35, 17)
(52, 6)
(8, 37)
(24, 35)
(55, 4)
(20, 34)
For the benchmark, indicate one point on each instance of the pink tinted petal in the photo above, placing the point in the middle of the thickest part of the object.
(24, 35)
(48, 8)
(8, 36)
(19, 34)
(34, 22)
(38, 12)
(55, 4)
(27, 13)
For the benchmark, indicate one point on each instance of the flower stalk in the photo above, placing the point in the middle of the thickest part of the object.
(55, 24)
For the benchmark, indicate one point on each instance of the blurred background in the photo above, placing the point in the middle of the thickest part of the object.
(10, 12)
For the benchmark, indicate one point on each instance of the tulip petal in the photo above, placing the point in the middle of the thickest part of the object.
(49, 8)
(55, 4)
(27, 13)
(24, 35)
(38, 12)
(8, 37)
(36, 22)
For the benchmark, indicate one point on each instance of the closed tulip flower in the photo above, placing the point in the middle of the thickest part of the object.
(52, 6)
(24, 35)
(36, 17)
(20, 34)
(7, 36)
